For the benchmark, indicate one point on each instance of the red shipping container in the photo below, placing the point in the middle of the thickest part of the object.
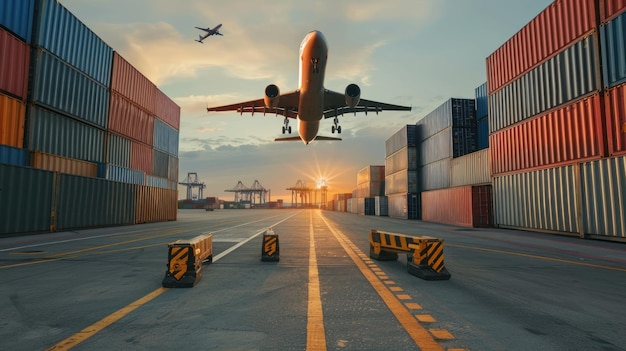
(615, 109)
(560, 24)
(468, 206)
(167, 110)
(132, 84)
(130, 120)
(611, 8)
(141, 157)
(572, 133)
(14, 63)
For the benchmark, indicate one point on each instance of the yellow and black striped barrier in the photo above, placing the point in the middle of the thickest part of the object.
(270, 251)
(185, 258)
(424, 253)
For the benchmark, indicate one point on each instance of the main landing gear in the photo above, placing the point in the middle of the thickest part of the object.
(336, 127)
(286, 127)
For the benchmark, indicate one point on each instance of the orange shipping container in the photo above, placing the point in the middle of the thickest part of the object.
(12, 117)
(155, 204)
(130, 120)
(167, 110)
(141, 157)
(55, 163)
(128, 81)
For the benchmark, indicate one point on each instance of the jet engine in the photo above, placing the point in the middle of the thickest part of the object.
(353, 94)
(272, 93)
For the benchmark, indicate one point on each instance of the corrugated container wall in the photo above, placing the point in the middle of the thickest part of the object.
(563, 78)
(130, 120)
(371, 174)
(141, 157)
(468, 206)
(403, 159)
(404, 137)
(613, 39)
(64, 35)
(404, 206)
(165, 138)
(381, 206)
(26, 195)
(54, 163)
(571, 133)
(167, 110)
(79, 141)
(14, 65)
(124, 175)
(615, 110)
(610, 8)
(59, 87)
(12, 120)
(452, 113)
(10, 155)
(435, 175)
(17, 17)
(482, 103)
(401, 182)
(132, 84)
(471, 169)
(118, 150)
(560, 24)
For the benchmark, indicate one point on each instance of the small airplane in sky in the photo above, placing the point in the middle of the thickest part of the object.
(209, 32)
(311, 101)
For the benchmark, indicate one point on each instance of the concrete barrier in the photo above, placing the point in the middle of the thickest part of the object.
(185, 259)
(270, 251)
(424, 253)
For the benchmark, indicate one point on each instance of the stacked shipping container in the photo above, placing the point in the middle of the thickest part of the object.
(84, 113)
(401, 186)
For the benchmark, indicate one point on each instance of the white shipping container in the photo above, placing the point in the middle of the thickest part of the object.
(471, 169)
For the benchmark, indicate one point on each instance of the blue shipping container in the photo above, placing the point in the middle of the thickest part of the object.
(124, 175)
(165, 138)
(613, 39)
(482, 104)
(483, 133)
(60, 87)
(17, 17)
(64, 35)
(14, 156)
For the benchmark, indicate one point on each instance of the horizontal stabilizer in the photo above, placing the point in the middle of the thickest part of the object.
(296, 138)
(320, 137)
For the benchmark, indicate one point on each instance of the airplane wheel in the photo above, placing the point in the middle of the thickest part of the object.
(339, 130)
(289, 129)
(332, 128)
(283, 130)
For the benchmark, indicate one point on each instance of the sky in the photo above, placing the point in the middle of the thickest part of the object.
(417, 53)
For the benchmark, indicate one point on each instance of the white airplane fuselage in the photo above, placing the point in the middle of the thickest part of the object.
(313, 57)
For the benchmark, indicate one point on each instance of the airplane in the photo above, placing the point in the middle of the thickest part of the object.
(311, 101)
(209, 32)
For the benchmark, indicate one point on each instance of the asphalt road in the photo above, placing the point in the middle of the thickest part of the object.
(100, 289)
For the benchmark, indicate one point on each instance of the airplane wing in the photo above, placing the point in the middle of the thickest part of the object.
(204, 29)
(335, 105)
(287, 106)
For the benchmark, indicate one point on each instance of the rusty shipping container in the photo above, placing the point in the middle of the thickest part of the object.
(615, 110)
(552, 30)
(141, 157)
(14, 65)
(467, 206)
(130, 120)
(155, 205)
(572, 133)
(611, 8)
(12, 119)
(55, 163)
(133, 85)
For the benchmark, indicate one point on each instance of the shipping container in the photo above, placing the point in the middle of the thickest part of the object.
(570, 134)
(56, 134)
(92, 202)
(26, 195)
(434, 175)
(615, 111)
(157, 182)
(124, 175)
(172, 173)
(165, 138)
(403, 159)
(160, 167)
(401, 182)
(613, 43)
(167, 110)
(14, 65)
(12, 120)
(370, 189)
(404, 137)
(611, 8)
(155, 205)
(452, 113)
(132, 84)
(482, 106)
(381, 206)
(371, 174)
(55, 163)
(467, 206)
(17, 17)
(65, 36)
(130, 120)
(482, 132)
(352, 205)
(555, 28)
(570, 75)
(141, 157)
(10, 155)
(603, 194)
(471, 169)
(62, 88)
(404, 206)
(542, 200)
(118, 150)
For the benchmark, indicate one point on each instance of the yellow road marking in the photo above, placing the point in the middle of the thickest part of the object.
(422, 338)
(413, 306)
(403, 297)
(441, 334)
(396, 288)
(540, 257)
(425, 318)
(315, 337)
(103, 323)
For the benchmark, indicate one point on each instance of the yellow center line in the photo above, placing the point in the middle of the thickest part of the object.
(315, 337)
(105, 322)
(422, 338)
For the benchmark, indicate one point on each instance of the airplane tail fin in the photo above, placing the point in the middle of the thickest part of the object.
(200, 39)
